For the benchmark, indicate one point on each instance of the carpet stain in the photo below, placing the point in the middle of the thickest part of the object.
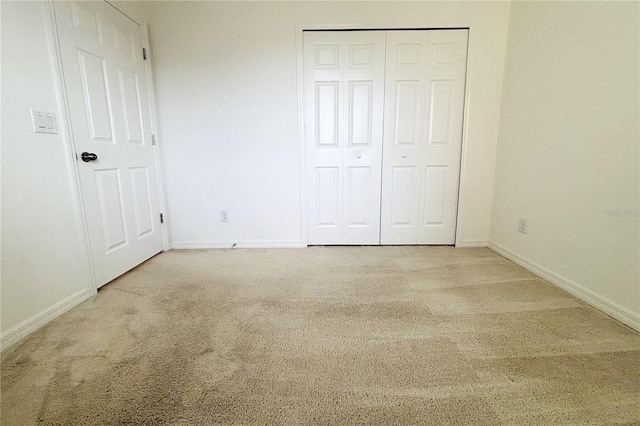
(326, 335)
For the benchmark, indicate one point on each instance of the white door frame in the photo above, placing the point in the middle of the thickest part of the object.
(300, 88)
(70, 146)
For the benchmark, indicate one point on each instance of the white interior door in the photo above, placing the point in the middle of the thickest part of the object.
(424, 103)
(343, 92)
(104, 76)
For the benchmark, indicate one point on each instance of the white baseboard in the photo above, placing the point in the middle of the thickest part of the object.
(178, 245)
(472, 243)
(30, 325)
(622, 314)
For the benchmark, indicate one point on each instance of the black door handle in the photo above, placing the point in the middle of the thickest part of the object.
(88, 156)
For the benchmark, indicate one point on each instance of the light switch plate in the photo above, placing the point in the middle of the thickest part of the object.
(44, 122)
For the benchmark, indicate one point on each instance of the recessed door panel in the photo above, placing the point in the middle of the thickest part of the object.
(141, 200)
(410, 55)
(111, 203)
(327, 114)
(443, 55)
(123, 42)
(360, 56)
(96, 100)
(360, 108)
(359, 190)
(401, 208)
(434, 196)
(84, 20)
(327, 196)
(439, 111)
(406, 112)
(326, 56)
(131, 106)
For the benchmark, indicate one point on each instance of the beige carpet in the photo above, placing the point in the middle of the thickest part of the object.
(367, 335)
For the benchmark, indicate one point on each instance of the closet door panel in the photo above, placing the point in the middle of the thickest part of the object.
(445, 84)
(364, 90)
(424, 103)
(343, 98)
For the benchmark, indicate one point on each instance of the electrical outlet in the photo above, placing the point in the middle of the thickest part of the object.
(224, 216)
(522, 226)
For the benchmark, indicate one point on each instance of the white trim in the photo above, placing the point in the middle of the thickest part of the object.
(181, 245)
(459, 242)
(30, 325)
(155, 129)
(622, 314)
(302, 189)
(471, 243)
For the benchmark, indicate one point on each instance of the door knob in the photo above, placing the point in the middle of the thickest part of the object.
(88, 156)
(359, 155)
(404, 155)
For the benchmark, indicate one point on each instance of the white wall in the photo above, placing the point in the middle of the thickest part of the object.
(44, 268)
(227, 97)
(568, 152)
(135, 10)
(44, 261)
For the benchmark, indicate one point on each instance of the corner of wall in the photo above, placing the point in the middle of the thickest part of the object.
(28, 326)
(614, 310)
(500, 118)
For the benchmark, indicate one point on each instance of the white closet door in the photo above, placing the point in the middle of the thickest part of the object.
(343, 93)
(424, 102)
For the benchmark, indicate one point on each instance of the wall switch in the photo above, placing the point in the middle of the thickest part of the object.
(522, 226)
(224, 216)
(44, 122)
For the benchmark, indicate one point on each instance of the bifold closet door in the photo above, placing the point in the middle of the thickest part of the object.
(424, 102)
(343, 97)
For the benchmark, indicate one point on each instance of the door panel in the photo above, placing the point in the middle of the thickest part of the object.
(328, 196)
(327, 114)
(447, 55)
(360, 108)
(105, 82)
(110, 200)
(131, 105)
(141, 200)
(407, 112)
(435, 191)
(99, 117)
(84, 20)
(402, 208)
(424, 80)
(343, 91)
(359, 201)
(439, 111)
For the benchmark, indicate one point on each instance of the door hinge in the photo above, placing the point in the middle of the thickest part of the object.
(161, 218)
(144, 53)
(153, 139)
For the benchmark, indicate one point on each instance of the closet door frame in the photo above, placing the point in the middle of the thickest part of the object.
(300, 29)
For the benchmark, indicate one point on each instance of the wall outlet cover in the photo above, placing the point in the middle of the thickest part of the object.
(522, 226)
